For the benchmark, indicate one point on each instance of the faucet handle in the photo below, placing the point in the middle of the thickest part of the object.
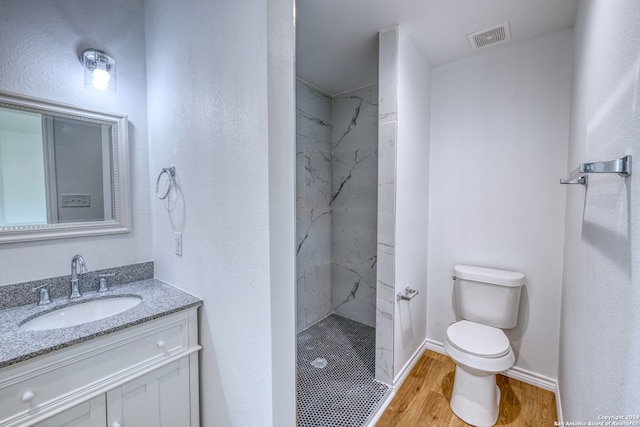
(43, 294)
(103, 281)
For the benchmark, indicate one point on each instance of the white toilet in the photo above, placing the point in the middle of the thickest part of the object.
(488, 301)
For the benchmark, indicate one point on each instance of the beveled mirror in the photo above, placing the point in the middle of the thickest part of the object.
(64, 171)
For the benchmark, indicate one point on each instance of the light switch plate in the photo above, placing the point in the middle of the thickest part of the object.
(75, 200)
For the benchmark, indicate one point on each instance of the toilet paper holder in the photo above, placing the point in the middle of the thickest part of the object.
(408, 295)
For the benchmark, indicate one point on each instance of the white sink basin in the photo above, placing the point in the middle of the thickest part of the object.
(77, 314)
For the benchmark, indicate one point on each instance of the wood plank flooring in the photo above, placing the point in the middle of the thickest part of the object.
(423, 399)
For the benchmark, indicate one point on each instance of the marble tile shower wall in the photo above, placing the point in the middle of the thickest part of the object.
(313, 198)
(336, 204)
(387, 122)
(354, 161)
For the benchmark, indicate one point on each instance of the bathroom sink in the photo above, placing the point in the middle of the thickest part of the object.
(77, 314)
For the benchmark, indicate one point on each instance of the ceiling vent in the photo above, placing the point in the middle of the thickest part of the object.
(489, 36)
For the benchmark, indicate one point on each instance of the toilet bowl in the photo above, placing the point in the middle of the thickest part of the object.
(480, 352)
(487, 301)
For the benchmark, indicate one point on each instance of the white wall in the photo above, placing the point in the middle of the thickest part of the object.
(412, 199)
(403, 201)
(599, 347)
(220, 79)
(498, 149)
(39, 46)
(282, 150)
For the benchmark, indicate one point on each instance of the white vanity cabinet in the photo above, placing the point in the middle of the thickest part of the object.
(157, 399)
(91, 413)
(142, 376)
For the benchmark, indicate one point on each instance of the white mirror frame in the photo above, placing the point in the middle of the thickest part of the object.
(121, 185)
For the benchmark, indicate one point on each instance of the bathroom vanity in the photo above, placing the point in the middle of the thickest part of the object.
(133, 369)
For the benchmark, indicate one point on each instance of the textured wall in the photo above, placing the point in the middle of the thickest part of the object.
(216, 101)
(39, 46)
(599, 347)
(500, 125)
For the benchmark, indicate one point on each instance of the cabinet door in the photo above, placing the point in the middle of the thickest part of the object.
(92, 413)
(157, 399)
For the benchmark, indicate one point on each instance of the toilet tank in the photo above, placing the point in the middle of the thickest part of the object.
(488, 296)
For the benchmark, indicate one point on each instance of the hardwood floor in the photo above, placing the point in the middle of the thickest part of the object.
(423, 399)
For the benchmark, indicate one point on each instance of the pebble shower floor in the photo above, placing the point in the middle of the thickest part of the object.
(336, 368)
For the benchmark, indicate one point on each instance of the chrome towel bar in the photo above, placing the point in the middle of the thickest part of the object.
(580, 175)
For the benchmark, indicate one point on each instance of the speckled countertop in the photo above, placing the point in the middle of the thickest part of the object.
(158, 299)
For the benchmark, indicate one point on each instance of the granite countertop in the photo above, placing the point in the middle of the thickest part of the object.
(158, 299)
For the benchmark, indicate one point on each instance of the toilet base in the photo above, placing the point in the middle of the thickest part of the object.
(476, 397)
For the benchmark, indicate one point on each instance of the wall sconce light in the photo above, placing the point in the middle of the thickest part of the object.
(99, 70)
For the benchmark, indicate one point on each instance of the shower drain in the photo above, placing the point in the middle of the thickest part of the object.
(319, 363)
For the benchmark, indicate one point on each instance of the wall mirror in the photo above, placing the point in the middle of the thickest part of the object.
(64, 171)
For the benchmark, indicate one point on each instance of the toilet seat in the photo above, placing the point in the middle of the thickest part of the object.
(478, 340)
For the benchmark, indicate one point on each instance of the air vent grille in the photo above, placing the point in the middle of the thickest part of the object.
(490, 36)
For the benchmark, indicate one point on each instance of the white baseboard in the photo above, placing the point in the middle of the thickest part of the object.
(559, 405)
(533, 378)
(436, 346)
(400, 379)
(516, 373)
(406, 369)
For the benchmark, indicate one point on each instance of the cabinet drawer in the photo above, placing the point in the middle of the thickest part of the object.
(43, 383)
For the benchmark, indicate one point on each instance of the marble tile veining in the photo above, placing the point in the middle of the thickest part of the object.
(313, 118)
(355, 119)
(355, 174)
(354, 204)
(317, 178)
(313, 197)
(313, 236)
(354, 292)
(336, 203)
(354, 236)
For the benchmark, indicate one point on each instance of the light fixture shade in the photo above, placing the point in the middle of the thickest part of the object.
(99, 70)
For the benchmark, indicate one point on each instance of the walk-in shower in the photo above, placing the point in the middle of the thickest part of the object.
(336, 219)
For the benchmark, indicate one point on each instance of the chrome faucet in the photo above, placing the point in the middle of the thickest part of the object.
(43, 293)
(75, 291)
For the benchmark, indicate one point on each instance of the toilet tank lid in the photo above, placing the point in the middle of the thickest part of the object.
(489, 275)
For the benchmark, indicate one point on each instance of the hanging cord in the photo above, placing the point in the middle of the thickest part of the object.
(171, 173)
